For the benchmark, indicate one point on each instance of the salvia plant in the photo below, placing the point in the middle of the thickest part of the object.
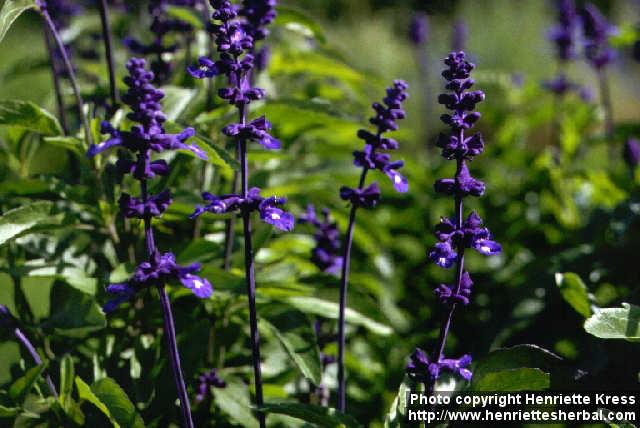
(458, 233)
(235, 40)
(146, 137)
(372, 157)
(160, 177)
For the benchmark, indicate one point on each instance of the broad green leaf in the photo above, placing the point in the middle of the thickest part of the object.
(11, 10)
(73, 313)
(37, 291)
(108, 392)
(574, 291)
(224, 158)
(21, 387)
(176, 100)
(324, 417)
(85, 393)
(293, 331)
(186, 14)
(27, 115)
(75, 277)
(20, 221)
(523, 356)
(313, 305)
(615, 323)
(234, 401)
(68, 143)
(10, 356)
(522, 379)
(296, 20)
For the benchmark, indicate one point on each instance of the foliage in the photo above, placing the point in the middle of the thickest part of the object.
(545, 313)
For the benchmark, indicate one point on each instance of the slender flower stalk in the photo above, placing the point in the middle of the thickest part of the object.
(148, 136)
(8, 321)
(108, 46)
(454, 236)
(235, 31)
(44, 11)
(386, 115)
(62, 114)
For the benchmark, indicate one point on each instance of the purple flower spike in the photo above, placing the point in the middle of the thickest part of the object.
(418, 29)
(326, 254)
(456, 234)
(631, 153)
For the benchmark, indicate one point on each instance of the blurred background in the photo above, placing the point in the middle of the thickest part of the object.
(562, 198)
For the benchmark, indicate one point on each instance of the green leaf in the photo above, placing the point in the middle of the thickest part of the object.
(222, 158)
(120, 408)
(296, 20)
(68, 143)
(74, 314)
(234, 401)
(396, 416)
(27, 115)
(75, 277)
(85, 393)
(615, 323)
(574, 292)
(11, 10)
(313, 305)
(293, 331)
(21, 387)
(186, 14)
(324, 417)
(9, 412)
(67, 374)
(522, 379)
(20, 221)
(176, 100)
(522, 356)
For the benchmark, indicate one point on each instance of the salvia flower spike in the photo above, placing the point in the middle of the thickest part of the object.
(8, 321)
(372, 157)
(141, 140)
(459, 233)
(326, 254)
(235, 31)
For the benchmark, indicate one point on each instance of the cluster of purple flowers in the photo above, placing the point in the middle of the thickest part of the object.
(419, 29)
(267, 207)
(161, 26)
(206, 381)
(148, 136)
(387, 113)
(455, 235)
(326, 254)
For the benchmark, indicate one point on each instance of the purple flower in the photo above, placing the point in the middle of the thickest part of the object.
(443, 254)
(137, 208)
(326, 254)
(631, 152)
(206, 381)
(559, 85)
(422, 369)
(256, 130)
(418, 29)
(596, 33)
(464, 185)
(206, 69)
(563, 33)
(267, 207)
(448, 294)
(258, 14)
(367, 197)
(159, 271)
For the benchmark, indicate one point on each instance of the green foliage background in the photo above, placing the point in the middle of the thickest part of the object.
(559, 198)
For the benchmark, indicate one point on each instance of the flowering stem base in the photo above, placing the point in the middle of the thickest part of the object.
(170, 332)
